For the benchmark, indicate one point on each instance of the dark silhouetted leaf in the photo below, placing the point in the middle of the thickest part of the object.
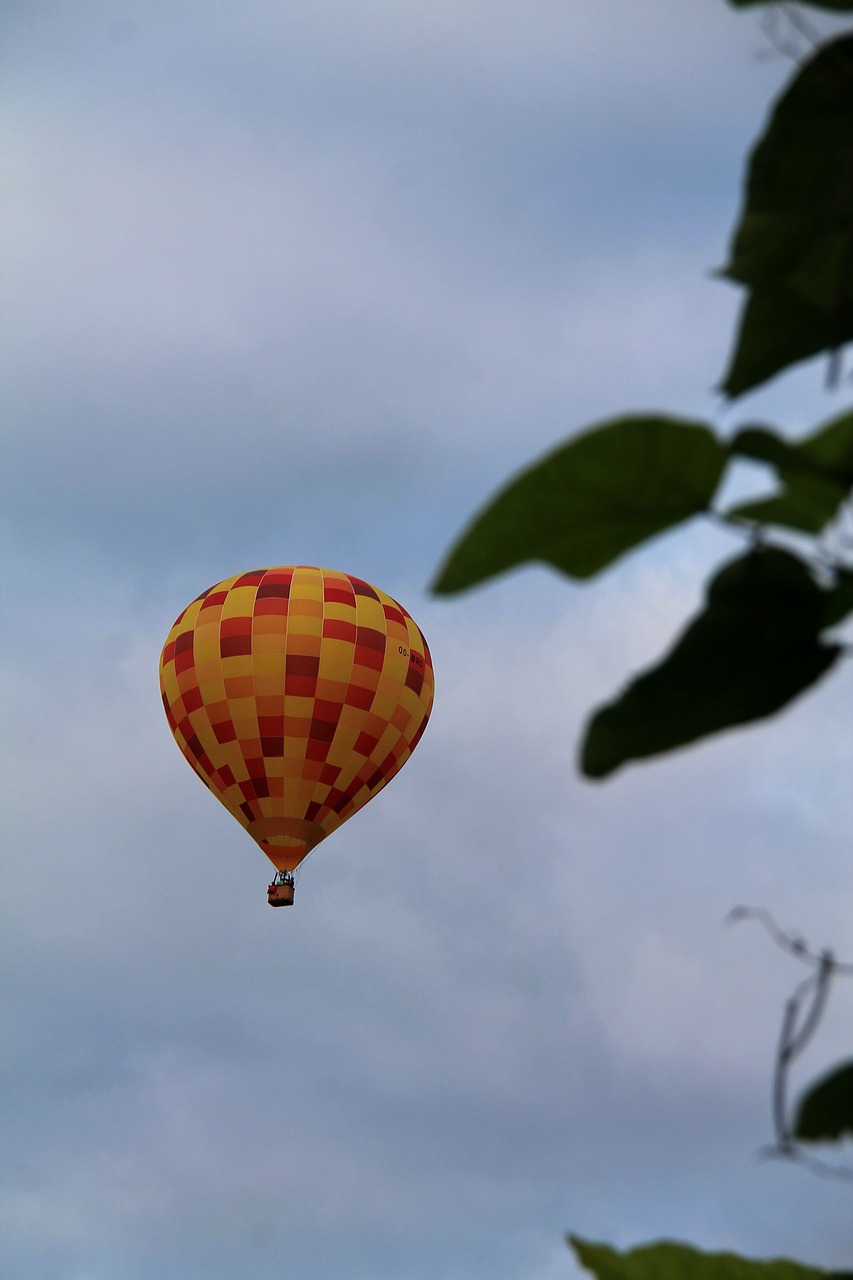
(793, 247)
(827, 453)
(668, 1260)
(807, 503)
(592, 500)
(825, 1111)
(753, 649)
(817, 474)
(762, 445)
(830, 449)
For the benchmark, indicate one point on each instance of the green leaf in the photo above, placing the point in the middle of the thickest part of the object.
(808, 504)
(752, 650)
(825, 1111)
(761, 445)
(817, 474)
(776, 330)
(668, 1260)
(828, 452)
(793, 246)
(591, 500)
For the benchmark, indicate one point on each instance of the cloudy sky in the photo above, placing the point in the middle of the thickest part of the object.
(303, 283)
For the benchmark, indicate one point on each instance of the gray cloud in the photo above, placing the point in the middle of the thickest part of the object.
(298, 284)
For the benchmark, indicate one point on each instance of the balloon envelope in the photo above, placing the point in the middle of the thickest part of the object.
(296, 694)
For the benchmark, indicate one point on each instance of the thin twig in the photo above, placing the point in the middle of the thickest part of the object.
(821, 991)
(793, 1038)
(788, 942)
(813, 1163)
(780, 1078)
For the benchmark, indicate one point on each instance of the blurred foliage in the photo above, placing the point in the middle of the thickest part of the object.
(793, 246)
(668, 1260)
(815, 475)
(614, 486)
(595, 498)
(755, 646)
(758, 642)
(825, 1111)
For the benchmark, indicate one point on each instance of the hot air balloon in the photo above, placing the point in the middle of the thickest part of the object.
(296, 694)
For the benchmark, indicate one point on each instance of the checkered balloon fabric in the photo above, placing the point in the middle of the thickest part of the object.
(295, 693)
